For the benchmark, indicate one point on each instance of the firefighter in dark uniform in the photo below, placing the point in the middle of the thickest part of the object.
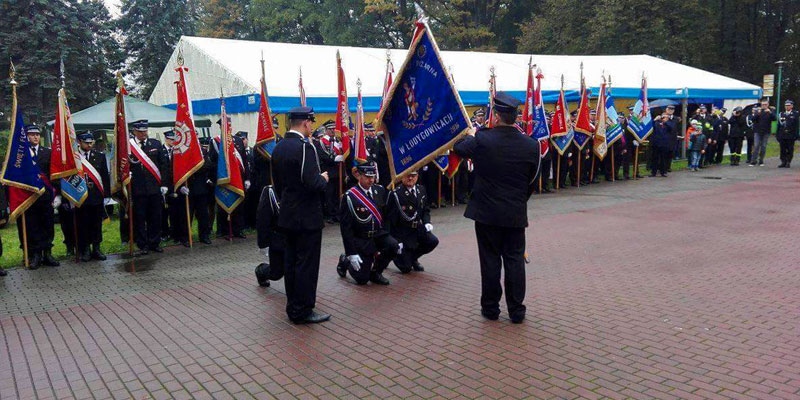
(237, 217)
(252, 194)
(322, 142)
(505, 168)
(148, 189)
(92, 212)
(40, 218)
(722, 131)
(199, 186)
(708, 129)
(738, 126)
(3, 221)
(410, 221)
(299, 184)
(175, 200)
(365, 230)
(787, 133)
(271, 241)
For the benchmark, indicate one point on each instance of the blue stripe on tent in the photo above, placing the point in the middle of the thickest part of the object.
(250, 102)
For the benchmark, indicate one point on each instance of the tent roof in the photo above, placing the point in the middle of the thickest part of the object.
(101, 116)
(234, 67)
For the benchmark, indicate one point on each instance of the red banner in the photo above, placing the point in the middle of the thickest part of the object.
(187, 157)
(64, 159)
(527, 112)
(266, 132)
(559, 125)
(582, 123)
(360, 137)
(121, 170)
(342, 128)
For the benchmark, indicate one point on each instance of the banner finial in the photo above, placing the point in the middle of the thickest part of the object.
(12, 72)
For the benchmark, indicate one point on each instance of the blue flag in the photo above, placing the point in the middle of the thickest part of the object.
(442, 162)
(641, 123)
(614, 129)
(424, 114)
(20, 172)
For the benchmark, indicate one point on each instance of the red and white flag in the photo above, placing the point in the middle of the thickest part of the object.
(120, 159)
(342, 128)
(360, 136)
(187, 157)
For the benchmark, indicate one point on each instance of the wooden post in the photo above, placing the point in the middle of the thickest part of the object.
(453, 191)
(558, 172)
(636, 161)
(25, 242)
(439, 197)
(591, 171)
(188, 221)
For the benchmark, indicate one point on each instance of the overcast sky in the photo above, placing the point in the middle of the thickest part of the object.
(113, 7)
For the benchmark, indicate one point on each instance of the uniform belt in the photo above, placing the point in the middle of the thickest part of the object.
(366, 234)
(414, 224)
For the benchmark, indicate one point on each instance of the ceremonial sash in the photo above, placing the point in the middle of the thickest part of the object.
(145, 160)
(93, 174)
(368, 203)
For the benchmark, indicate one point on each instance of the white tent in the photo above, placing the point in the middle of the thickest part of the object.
(233, 67)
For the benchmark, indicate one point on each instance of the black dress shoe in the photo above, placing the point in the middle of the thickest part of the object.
(98, 255)
(417, 267)
(517, 319)
(341, 268)
(240, 235)
(49, 260)
(184, 243)
(3, 271)
(141, 252)
(379, 279)
(313, 318)
(86, 256)
(490, 315)
(262, 271)
(205, 240)
(157, 249)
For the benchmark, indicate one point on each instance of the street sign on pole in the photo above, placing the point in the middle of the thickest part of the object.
(768, 85)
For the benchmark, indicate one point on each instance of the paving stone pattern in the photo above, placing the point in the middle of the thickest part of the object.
(682, 287)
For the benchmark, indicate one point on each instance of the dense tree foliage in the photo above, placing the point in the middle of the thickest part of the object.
(738, 38)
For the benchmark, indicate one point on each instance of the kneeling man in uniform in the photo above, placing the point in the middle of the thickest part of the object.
(409, 217)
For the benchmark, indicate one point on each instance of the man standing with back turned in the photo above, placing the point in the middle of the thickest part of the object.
(300, 185)
(505, 166)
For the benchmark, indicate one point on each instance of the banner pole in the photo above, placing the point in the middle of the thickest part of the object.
(453, 191)
(580, 156)
(188, 221)
(341, 189)
(591, 171)
(25, 242)
(439, 197)
(75, 233)
(636, 162)
(230, 228)
(558, 172)
(613, 167)
(130, 220)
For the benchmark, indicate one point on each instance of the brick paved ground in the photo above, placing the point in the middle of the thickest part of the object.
(684, 287)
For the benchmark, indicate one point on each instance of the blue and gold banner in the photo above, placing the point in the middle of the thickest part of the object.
(424, 115)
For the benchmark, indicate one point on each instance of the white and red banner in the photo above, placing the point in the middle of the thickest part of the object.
(187, 157)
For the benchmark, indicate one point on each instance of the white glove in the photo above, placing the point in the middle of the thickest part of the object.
(399, 248)
(355, 261)
(209, 183)
(635, 143)
(246, 185)
(338, 158)
(264, 252)
(184, 190)
(163, 190)
(428, 227)
(57, 202)
(569, 155)
(106, 201)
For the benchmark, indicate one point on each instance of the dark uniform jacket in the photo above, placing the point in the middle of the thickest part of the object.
(204, 179)
(298, 183)
(721, 128)
(43, 162)
(505, 166)
(762, 121)
(358, 226)
(143, 183)
(96, 196)
(788, 129)
(408, 213)
(738, 124)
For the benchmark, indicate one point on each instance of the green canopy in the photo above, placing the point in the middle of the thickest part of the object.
(101, 116)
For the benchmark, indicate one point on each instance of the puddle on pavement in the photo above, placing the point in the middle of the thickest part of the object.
(713, 177)
(133, 264)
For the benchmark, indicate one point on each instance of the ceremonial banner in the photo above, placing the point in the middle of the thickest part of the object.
(539, 129)
(583, 126)
(265, 138)
(527, 111)
(20, 172)
(342, 128)
(387, 82)
(360, 142)
(561, 132)
(229, 191)
(641, 123)
(65, 159)
(120, 157)
(424, 115)
(599, 143)
(453, 163)
(187, 157)
(302, 89)
(613, 129)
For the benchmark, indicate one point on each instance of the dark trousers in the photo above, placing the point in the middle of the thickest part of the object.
(501, 248)
(302, 272)
(236, 224)
(90, 228)
(39, 220)
(147, 210)
(66, 218)
(371, 264)
(787, 150)
(426, 242)
(332, 197)
(124, 223)
(750, 147)
(177, 218)
(720, 150)
(275, 270)
(198, 208)
(461, 182)
(544, 172)
(659, 160)
(735, 145)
